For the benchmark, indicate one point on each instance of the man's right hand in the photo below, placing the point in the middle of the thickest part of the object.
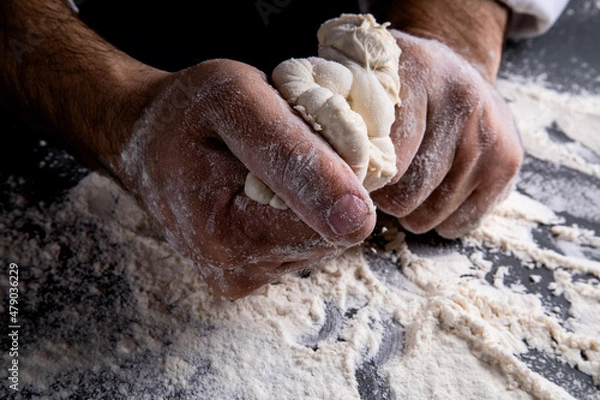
(183, 144)
(187, 159)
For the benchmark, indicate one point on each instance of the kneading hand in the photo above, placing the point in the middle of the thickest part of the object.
(187, 162)
(457, 147)
(183, 144)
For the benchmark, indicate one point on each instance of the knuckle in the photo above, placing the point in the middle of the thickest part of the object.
(514, 161)
(501, 150)
(227, 83)
(463, 92)
(506, 158)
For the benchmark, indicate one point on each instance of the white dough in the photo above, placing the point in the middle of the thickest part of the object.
(348, 96)
(258, 191)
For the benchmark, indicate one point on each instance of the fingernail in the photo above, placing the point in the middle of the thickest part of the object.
(348, 214)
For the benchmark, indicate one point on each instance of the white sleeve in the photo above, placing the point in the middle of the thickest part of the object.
(71, 4)
(533, 17)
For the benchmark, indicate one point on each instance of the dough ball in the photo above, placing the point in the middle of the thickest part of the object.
(348, 96)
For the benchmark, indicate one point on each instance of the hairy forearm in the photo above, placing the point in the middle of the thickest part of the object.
(475, 29)
(63, 78)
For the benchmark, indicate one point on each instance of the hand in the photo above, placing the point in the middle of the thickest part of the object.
(458, 150)
(183, 144)
(187, 162)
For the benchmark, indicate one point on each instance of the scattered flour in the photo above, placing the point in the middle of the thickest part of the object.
(537, 108)
(109, 310)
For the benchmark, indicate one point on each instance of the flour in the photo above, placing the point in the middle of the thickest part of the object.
(577, 116)
(109, 309)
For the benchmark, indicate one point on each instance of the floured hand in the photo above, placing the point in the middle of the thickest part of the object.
(187, 162)
(458, 151)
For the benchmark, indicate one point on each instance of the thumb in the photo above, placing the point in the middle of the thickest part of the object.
(277, 146)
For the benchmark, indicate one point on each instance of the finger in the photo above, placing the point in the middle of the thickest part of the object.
(502, 155)
(407, 134)
(470, 214)
(443, 202)
(262, 131)
(479, 204)
(450, 113)
(427, 170)
(458, 184)
(408, 129)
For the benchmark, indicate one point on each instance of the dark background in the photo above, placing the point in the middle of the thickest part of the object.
(176, 34)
